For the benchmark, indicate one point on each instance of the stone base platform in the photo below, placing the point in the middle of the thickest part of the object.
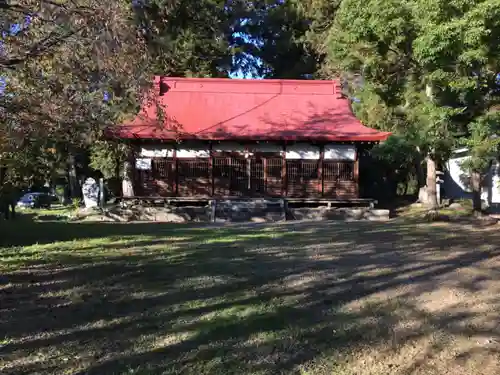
(233, 211)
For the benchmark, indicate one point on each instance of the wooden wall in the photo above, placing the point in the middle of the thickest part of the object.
(262, 170)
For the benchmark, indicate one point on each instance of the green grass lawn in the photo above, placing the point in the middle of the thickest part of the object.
(293, 298)
(415, 213)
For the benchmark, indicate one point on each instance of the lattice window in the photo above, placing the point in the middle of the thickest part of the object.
(230, 176)
(274, 182)
(302, 178)
(162, 168)
(220, 168)
(145, 183)
(163, 172)
(257, 176)
(274, 167)
(239, 177)
(302, 170)
(193, 168)
(338, 171)
(193, 177)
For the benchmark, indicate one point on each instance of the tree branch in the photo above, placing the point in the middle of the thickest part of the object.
(37, 50)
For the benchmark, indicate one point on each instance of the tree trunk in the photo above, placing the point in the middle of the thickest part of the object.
(432, 202)
(74, 185)
(102, 199)
(4, 207)
(117, 190)
(3, 173)
(476, 193)
(8, 199)
(12, 205)
(420, 174)
(393, 188)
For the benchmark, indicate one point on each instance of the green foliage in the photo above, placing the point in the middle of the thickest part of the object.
(431, 126)
(60, 192)
(270, 39)
(371, 38)
(429, 69)
(396, 152)
(189, 38)
(107, 157)
(35, 162)
(395, 161)
(58, 68)
(373, 111)
(69, 55)
(76, 203)
(483, 142)
(403, 48)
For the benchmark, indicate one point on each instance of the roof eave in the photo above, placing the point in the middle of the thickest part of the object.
(361, 138)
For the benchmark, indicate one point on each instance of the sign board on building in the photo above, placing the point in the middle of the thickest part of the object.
(156, 151)
(143, 164)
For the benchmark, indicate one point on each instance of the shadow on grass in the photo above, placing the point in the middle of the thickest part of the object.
(253, 299)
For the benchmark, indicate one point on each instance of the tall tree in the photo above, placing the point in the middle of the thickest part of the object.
(432, 62)
(270, 39)
(71, 69)
(483, 144)
(189, 38)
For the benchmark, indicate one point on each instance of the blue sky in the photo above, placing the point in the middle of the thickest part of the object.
(239, 73)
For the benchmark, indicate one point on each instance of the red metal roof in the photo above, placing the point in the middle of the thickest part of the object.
(236, 109)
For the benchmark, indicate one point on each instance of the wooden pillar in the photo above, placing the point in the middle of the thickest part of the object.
(320, 169)
(356, 173)
(283, 172)
(249, 169)
(175, 170)
(73, 183)
(211, 171)
(231, 175)
(264, 166)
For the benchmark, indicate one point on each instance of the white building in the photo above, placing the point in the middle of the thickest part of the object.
(457, 181)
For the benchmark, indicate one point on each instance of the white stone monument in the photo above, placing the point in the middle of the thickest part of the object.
(90, 191)
(127, 185)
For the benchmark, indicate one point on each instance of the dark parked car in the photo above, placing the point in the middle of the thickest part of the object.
(35, 200)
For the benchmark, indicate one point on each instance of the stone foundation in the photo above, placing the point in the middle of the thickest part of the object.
(259, 210)
(170, 214)
(149, 214)
(325, 213)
